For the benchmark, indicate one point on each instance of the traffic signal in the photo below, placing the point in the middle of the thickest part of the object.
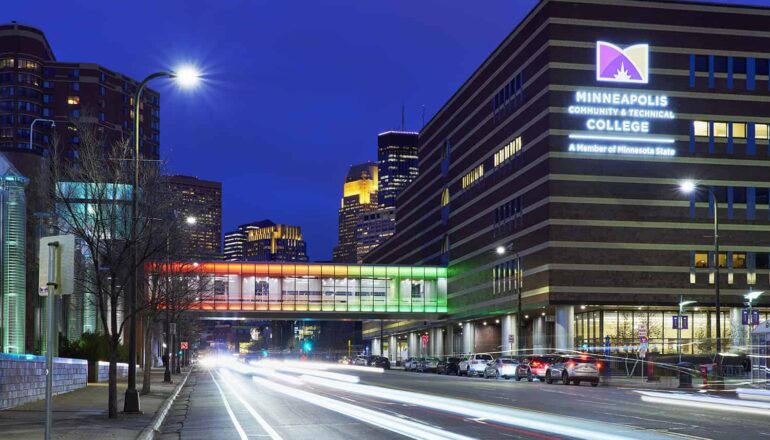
(307, 346)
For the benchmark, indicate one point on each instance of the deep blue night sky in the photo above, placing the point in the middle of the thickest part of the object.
(295, 91)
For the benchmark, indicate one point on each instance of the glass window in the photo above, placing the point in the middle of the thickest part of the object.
(445, 197)
(739, 130)
(701, 259)
(761, 131)
(6, 62)
(739, 260)
(73, 100)
(75, 87)
(701, 128)
(720, 129)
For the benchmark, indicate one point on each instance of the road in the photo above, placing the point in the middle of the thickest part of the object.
(242, 402)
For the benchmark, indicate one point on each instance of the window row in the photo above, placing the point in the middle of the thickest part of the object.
(737, 130)
(474, 175)
(736, 260)
(509, 96)
(20, 105)
(445, 197)
(747, 67)
(511, 149)
(21, 64)
(732, 197)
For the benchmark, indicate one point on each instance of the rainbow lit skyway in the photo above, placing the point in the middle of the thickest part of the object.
(243, 286)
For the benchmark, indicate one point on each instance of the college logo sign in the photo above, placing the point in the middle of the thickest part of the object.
(629, 65)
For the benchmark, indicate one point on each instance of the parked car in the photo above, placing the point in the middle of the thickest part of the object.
(574, 369)
(360, 360)
(378, 361)
(539, 364)
(474, 364)
(508, 368)
(427, 364)
(448, 366)
(410, 364)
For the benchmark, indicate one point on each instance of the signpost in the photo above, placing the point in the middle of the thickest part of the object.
(184, 345)
(511, 340)
(55, 278)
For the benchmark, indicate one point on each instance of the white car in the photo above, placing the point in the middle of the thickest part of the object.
(474, 364)
(574, 369)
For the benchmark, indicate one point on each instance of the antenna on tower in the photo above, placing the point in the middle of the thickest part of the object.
(402, 116)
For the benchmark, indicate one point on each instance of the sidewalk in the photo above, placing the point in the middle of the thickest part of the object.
(82, 414)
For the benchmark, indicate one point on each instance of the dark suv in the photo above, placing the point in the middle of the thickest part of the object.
(449, 366)
(378, 361)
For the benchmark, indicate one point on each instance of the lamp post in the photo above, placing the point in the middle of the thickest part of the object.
(688, 187)
(186, 77)
(679, 326)
(517, 278)
(32, 126)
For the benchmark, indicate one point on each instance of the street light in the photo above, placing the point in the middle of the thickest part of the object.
(682, 304)
(501, 250)
(186, 77)
(32, 126)
(689, 187)
(191, 220)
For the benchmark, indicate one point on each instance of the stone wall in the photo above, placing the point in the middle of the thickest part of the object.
(22, 378)
(104, 371)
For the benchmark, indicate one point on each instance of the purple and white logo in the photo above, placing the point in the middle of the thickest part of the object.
(629, 65)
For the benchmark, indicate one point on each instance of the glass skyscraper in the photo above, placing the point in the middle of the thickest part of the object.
(13, 230)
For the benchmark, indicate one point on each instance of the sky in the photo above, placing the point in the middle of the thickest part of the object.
(294, 92)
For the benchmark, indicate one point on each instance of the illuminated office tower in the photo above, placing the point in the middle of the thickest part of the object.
(200, 200)
(265, 241)
(396, 164)
(359, 197)
(12, 257)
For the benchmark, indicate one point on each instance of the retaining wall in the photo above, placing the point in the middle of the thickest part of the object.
(22, 378)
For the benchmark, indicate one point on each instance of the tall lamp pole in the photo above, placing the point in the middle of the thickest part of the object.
(186, 77)
(688, 187)
(32, 126)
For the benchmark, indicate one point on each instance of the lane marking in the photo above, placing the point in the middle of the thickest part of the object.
(262, 422)
(238, 426)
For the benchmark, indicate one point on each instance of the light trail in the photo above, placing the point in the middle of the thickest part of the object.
(262, 422)
(707, 402)
(532, 420)
(385, 421)
(238, 427)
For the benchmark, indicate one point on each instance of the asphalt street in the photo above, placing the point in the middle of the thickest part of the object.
(293, 403)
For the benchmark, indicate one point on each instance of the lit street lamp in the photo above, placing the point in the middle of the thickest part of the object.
(688, 187)
(186, 77)
(679, 326)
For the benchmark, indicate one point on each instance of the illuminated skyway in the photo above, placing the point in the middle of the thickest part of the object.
(318, 290)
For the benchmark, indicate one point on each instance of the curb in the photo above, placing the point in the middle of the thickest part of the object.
(153, 428)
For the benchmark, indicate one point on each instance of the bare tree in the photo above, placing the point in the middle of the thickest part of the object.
(175, 285)
(92, 193)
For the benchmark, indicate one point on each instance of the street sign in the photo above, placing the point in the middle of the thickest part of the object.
(607, 343)
(642, 330)
(754, 317)
(64, 272)
(183, 345)
(745, 316)
(425, 339)
(675, 322)
(685, 320)
(510, 339)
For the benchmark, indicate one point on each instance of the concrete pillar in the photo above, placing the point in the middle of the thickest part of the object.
(413, 349)
(469, 337)
(437, 342)
(508, 327)
(738, 331)
(449, 340)
(376, 347)
(565, 328)
(538, 335)
(393, 349)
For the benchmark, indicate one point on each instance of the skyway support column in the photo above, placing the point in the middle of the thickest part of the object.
(565, 328)
(392, 349)
(376, 344)
(437, 342)
(450, 339)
